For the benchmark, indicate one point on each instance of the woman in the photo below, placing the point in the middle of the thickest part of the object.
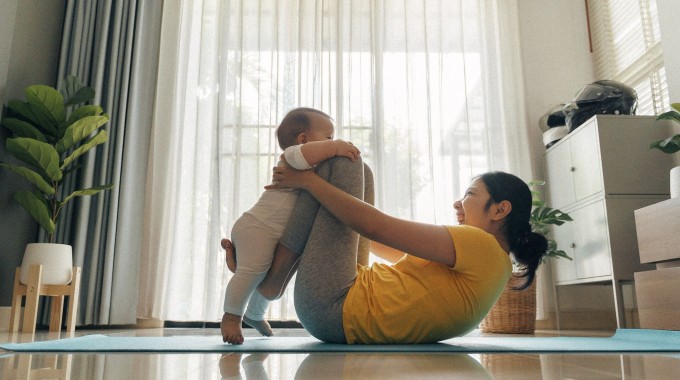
(447, 281)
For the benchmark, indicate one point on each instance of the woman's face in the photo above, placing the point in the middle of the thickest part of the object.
(472, 210)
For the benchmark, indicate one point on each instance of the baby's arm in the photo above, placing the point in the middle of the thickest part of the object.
(305, 156)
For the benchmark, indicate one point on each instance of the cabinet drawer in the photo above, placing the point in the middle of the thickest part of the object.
(591, 241)
(560, 177)
(564, 270)
(574, 167)
(658, 227)
(586, 162)
(609, 155)
(657, 298)
(586, 240)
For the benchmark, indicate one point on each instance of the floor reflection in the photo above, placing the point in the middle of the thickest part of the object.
(325, 366)
(360, 366)
(242, 366)
(37, 367)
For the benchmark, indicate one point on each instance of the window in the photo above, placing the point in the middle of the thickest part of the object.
(430, 91)
(627, 48)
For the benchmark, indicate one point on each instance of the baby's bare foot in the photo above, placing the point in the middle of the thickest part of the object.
(231, 329)
(262, 326)
(230, 254)
(230, 365)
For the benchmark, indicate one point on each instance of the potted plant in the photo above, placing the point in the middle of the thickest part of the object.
(515, 310)
(543, 217)
(671, 145)
(49, 134)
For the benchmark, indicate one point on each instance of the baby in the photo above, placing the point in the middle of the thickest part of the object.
(306, 135)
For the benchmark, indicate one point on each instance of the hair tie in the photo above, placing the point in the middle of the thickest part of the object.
(525, 235)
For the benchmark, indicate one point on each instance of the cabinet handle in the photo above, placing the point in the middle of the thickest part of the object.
(573, 169)
(573, 245)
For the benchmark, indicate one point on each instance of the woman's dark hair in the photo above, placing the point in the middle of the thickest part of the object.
(295, 122)
(527, 247)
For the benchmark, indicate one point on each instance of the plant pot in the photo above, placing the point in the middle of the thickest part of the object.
(56, 260)
(514, 312)
(675, 182)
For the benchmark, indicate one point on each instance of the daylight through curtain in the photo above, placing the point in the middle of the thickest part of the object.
(431, 92)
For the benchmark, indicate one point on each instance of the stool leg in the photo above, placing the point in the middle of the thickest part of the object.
(32, 297)
(24, 367)
(56, 310)
(74, 295)
(16, 303)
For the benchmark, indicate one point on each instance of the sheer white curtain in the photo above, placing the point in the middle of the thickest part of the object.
(431, 91)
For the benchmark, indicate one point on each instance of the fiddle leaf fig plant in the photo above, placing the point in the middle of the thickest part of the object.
(672, 144)
(49, 133)
(542, 217)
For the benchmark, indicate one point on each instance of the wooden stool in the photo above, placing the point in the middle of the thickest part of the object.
(20, 367)
(33, 290)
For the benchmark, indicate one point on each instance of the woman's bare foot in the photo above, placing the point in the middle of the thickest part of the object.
(230, 254)
(262, 326)
(230, 327)
(283, 268)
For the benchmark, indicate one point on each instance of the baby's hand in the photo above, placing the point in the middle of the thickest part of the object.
(346, 149)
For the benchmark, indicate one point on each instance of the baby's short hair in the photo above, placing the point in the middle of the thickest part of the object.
(295, 122)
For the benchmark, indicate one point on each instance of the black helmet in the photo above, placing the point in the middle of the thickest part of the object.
(601, 97)
(555, 117)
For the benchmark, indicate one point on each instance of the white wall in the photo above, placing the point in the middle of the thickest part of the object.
(669, 10)
(8, 11)
(555, 56)
(30, 40)
(556, 62)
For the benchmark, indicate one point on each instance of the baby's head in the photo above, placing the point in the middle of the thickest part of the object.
(302, 125)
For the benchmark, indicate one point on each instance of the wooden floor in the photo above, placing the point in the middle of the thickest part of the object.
(325, 366)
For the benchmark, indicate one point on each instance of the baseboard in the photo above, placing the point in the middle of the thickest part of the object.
(570, 320)
(587, 320)
(5, 312)
(149, 323)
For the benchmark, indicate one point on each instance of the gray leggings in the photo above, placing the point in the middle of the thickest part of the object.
(329, 251)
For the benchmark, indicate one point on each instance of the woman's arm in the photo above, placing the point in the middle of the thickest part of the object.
(386, 253)
(427, 241)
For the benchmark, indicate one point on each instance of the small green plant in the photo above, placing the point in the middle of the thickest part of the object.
(671, 144)
(50, 132)
(542, 217)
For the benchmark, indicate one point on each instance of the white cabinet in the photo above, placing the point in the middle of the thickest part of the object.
(580, 176)
(600, 173)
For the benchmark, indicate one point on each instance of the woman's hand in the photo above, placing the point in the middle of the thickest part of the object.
(285, 176)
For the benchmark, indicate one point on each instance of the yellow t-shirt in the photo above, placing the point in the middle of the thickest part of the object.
(419, 301)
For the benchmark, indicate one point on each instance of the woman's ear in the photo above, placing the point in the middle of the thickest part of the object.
(501, 210)
(302, 138)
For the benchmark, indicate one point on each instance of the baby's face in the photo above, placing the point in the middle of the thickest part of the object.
(322, 128)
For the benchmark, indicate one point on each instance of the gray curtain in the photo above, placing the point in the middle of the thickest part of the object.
(112, 46)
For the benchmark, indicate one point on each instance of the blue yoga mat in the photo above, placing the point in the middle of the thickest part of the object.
(624, 340)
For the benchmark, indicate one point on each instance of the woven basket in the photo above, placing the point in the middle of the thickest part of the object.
(508, 366)
(514, 312)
